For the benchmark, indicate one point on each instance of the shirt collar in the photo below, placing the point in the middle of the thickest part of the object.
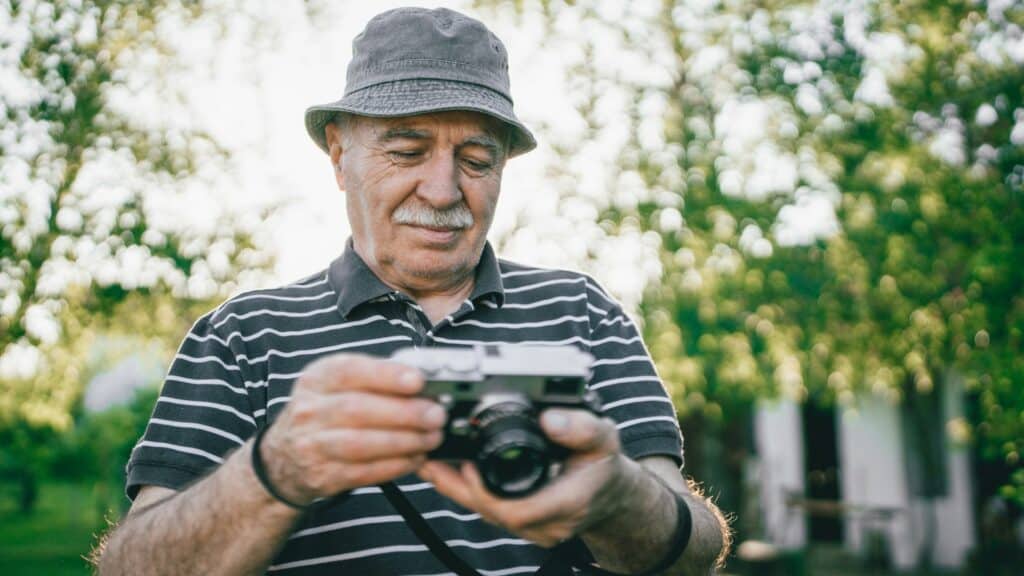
(356, 284)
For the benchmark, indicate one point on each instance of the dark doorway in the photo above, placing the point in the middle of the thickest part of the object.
(821, 467)
(998, 528)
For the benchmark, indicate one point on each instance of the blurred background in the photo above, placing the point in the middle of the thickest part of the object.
(815, 210)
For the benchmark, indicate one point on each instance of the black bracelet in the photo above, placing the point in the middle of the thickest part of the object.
(684, 526)
(261, 472)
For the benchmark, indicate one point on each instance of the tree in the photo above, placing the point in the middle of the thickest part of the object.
(86, 182)
(897, 126)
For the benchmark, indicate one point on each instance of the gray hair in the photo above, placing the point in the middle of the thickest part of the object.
(345, 124)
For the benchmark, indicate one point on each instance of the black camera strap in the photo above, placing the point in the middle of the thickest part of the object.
(424, 532)
(558, 563)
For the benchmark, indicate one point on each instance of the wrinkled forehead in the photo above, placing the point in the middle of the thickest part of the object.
(465, 124)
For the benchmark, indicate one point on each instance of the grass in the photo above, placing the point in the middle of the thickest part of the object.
(53, 539)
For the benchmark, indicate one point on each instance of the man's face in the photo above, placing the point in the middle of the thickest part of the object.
(420, 193)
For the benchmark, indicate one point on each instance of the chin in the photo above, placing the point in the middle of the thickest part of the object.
(435, 267)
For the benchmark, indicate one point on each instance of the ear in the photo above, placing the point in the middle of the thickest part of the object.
(334, 150)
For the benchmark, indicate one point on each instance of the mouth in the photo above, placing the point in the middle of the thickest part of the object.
(436, 236)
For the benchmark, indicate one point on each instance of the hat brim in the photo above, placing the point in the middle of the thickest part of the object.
(420, 96)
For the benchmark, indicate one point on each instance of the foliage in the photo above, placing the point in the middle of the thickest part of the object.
(835, 189)
(94, 225)
(96, 449)
(67, 221)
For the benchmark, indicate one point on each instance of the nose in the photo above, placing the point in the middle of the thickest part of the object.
(439, 184)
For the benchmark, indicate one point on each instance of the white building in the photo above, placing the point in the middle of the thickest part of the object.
(873, 478)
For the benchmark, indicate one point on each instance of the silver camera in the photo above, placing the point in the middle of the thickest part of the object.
(494, 395)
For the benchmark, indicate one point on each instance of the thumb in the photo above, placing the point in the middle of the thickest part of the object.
(580, 430)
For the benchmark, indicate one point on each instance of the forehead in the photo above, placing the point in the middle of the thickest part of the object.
(458, 122)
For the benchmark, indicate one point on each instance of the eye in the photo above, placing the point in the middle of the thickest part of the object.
(405, 154)
(477, 165)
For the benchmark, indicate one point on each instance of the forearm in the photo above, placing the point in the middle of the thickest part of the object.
(640, 533)
(224, 524)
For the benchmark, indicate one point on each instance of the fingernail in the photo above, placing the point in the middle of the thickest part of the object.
(556, 421)
(409, 379)
(435, 415)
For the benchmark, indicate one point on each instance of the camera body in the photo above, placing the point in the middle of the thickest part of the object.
(494, 395)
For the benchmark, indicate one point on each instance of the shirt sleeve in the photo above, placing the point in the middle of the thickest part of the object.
(203, 412)
(625, 379)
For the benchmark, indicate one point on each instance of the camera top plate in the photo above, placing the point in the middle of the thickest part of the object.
(483, 361)
(555, 375)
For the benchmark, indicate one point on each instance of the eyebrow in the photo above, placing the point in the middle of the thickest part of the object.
(400, 132)
(485, 141)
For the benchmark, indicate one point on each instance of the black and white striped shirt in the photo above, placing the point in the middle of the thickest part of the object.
(238, 363)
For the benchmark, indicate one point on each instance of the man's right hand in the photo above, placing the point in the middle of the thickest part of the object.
(353, 420)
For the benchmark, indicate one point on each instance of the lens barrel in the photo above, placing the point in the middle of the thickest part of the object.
(513, 458)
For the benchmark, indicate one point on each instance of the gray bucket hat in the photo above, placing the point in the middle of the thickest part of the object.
(412, 61)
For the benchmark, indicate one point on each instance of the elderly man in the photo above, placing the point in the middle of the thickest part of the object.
(281, 425)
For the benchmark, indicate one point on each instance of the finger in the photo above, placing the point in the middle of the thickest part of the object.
(580, 431)
(378, 471)
(564, 499)
(369, 445)
(448, 481)
(361, 372)
(372, 410)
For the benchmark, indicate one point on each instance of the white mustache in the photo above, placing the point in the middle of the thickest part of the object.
(455, 217)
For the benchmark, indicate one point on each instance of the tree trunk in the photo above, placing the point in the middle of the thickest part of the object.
(29, 484)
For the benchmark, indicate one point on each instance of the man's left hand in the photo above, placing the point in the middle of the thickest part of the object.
(592, 486)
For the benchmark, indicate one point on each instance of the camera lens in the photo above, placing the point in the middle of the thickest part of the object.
(512, 458)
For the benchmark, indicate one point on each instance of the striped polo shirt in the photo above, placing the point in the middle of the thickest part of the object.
(236, 367)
